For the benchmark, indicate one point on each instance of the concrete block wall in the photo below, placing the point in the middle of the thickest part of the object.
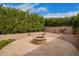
(68, 29)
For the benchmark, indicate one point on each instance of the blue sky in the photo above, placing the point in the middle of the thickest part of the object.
(48, 9)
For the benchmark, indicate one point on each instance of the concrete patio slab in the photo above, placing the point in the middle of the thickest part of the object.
(53, 47)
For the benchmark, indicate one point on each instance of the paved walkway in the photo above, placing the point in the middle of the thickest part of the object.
(54, 46)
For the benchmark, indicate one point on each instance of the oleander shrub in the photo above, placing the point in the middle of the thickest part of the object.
(76, 21)
(66, 21)
(13, 20)
(5, 42)
(54, 22)
(58, 22)
(76, 30)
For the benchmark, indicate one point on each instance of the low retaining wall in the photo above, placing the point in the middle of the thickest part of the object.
(68, 29)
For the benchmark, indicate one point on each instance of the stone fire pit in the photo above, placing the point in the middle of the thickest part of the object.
(39, 40)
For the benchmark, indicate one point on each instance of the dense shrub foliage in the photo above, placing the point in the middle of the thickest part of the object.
(66, 21)
(58, 22)
(16, 21)
(54, 21)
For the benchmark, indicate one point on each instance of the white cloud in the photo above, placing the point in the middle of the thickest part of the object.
(42, 9)
(32, 8)
(4, 5)
(28, 6)
(59, 15)
(24, 7)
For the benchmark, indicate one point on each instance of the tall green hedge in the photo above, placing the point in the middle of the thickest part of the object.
(16, 21)
(54, 22)
(66, 21)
